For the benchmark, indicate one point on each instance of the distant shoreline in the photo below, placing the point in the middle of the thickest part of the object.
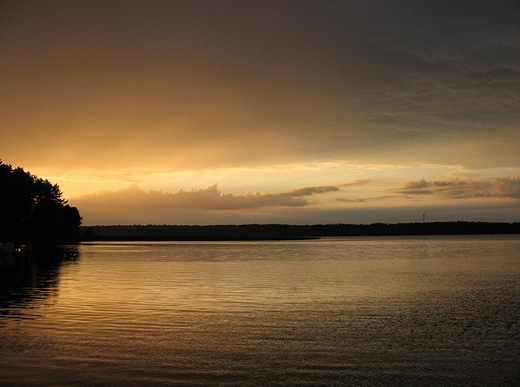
(257, 232)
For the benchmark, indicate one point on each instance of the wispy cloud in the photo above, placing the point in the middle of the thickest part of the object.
(210, 198)
(506, 187)
(356, 183)
(359, 200)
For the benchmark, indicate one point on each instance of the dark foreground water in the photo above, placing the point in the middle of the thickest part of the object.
(418, 311)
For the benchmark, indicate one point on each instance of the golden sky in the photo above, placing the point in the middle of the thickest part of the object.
(211, 112)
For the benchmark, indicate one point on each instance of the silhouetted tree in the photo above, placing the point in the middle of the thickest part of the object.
(33, 210)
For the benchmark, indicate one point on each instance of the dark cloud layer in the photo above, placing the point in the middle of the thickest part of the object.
(196, 84)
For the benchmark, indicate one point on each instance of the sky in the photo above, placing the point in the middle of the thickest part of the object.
(299, 112)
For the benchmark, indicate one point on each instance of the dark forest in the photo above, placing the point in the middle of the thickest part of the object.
(284, 231)
(33, 211)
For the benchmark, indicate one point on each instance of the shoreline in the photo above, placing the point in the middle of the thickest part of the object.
(259, 232)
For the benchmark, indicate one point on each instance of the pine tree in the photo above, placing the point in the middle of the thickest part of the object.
(32, 209)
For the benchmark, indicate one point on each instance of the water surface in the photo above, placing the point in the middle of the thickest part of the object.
(334, 312)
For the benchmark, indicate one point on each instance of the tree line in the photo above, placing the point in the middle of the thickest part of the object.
(33, 211)
(285, 231)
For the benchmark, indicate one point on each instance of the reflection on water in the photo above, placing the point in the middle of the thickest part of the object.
(366, 311)
(30, 276)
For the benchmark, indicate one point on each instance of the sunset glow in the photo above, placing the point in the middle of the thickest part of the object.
(187, 112)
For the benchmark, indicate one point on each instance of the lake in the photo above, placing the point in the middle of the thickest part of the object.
(366, 311)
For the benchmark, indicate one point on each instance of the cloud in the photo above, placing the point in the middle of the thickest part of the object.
(359, 200)
(210, 198)
(506, 187)
(306, 191)
(176, 85)
(356, 183)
